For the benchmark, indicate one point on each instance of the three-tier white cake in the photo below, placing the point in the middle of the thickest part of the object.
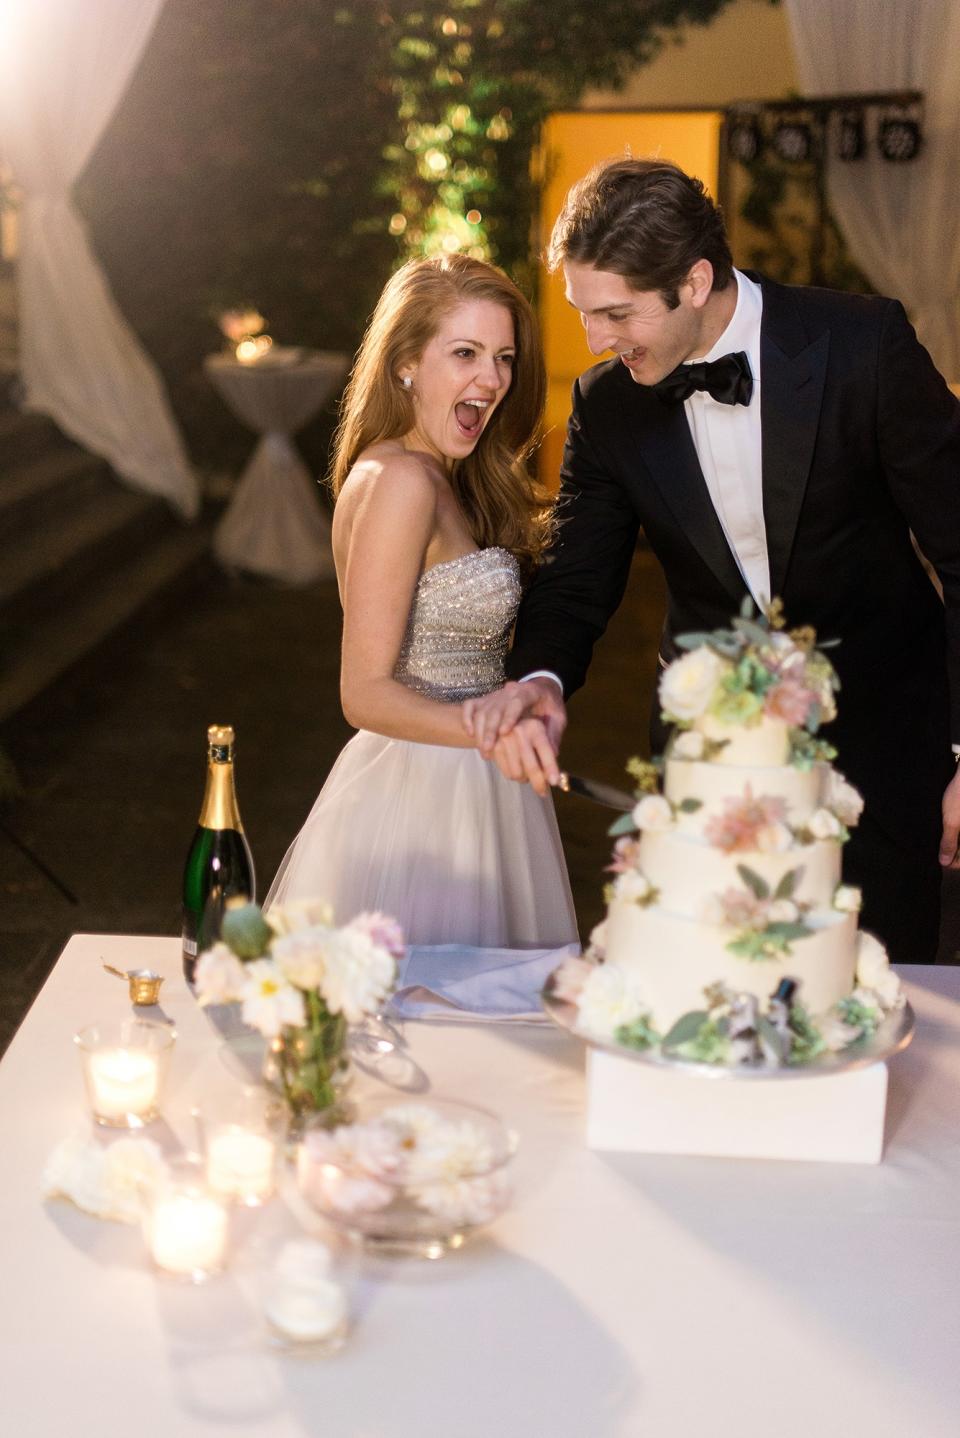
(728, 871)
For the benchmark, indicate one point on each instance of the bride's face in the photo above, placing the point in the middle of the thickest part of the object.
(461, 377)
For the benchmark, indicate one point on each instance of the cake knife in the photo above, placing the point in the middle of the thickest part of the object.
(605, 794)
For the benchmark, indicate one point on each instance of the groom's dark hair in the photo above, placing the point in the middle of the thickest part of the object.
(645, 220)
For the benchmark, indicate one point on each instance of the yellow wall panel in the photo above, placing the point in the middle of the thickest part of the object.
(571, 143)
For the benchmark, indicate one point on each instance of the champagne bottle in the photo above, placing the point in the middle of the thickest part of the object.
(219, 864)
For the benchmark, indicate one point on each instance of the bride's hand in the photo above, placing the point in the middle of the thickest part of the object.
(490, 718)
(527, 756)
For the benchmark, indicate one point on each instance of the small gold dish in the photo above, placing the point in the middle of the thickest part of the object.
(144, 984)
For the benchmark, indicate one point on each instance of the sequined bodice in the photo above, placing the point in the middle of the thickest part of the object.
(459, 626)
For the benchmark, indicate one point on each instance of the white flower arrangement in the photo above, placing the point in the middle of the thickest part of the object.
(114, 1181)
(446, 1166)
(277, 966)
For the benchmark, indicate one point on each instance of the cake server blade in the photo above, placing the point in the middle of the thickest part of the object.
(605, 794)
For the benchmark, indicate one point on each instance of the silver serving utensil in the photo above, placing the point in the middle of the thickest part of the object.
(604, 794)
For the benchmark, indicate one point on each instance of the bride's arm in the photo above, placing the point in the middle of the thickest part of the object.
(394, 510)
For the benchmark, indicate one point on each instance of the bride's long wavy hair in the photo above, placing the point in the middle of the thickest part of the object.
(501, 502)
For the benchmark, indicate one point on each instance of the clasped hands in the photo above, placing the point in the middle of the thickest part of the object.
(519, 728)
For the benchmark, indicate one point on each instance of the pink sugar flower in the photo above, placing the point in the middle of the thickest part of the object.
(790, 701)
(626, 853)
(743, 821)
(743, 910)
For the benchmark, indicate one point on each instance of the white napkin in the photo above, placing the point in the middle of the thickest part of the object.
(473, 985)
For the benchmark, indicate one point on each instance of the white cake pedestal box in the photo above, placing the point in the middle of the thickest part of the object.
(639, 1108)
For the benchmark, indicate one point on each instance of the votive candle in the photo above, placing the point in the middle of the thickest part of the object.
(240, 1164)
(188, 1233)
(124, 1084)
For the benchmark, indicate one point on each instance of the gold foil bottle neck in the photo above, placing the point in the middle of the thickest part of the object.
(220, 809)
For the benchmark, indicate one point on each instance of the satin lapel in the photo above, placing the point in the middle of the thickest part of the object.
(792, 373)
(662, 435)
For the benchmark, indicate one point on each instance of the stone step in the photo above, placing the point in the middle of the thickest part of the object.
(41, 491)
(52, 646)
(50, 562)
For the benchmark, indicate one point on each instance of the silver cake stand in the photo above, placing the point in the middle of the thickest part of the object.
(891, 1036)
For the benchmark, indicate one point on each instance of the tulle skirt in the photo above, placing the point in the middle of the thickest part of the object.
(439, 840)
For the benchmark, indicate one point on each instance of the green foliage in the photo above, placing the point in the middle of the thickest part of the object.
(807, 1040)
(473, 81)
(638, 1035)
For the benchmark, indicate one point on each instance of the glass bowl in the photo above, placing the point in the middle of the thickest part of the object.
(419, 1177)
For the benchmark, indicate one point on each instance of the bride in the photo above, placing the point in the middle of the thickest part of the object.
(436, 522)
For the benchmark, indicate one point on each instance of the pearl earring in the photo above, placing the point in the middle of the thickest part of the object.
(407, 382)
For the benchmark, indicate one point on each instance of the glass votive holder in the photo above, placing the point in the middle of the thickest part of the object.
(187, 1227)
(124, 1068)
(306, 1303)
(241, 1139)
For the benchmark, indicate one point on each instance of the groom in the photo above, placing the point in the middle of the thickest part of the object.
(791, 458)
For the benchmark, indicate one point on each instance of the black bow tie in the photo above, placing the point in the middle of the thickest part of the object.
(728, 379)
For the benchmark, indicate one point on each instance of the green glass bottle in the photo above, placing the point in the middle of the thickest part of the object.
(219, 864)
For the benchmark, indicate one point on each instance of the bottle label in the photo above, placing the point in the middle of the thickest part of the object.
(190, 947)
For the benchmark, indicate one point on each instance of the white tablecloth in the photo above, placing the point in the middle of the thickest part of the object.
(274, 524)
(621, 1297)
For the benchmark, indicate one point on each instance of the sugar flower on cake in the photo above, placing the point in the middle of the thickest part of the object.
(632, 887)
(653, 813)
(874, 973)
(824, 824)
(750, 823)
(688, 685)
(567, 981)
(626, 855)
(843, 799)
(848, 899)
(610, 999)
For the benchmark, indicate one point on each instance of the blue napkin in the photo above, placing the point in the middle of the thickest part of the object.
(471, 985)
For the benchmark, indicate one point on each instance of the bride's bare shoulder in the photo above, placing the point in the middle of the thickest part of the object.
(387, 473)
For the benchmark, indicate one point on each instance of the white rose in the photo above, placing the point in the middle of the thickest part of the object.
(654, 813)
(845, 801)
(631, 887)
(774, 838)
(687, 745)
(608, 1000)
(783, 911)
(299, 914)
(299, 956)
(687, 686)
(848, 899)
(872, 960)
(824, 825)
(597, 943)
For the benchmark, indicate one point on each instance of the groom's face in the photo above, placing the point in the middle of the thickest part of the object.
(637, 325)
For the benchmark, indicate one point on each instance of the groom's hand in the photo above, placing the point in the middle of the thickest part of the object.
(527, 756)
(489, 719)
(949, 857)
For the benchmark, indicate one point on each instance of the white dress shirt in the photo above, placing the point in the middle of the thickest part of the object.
(727, 440)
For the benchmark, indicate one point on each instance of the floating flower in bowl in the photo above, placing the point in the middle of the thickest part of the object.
(417, 1178)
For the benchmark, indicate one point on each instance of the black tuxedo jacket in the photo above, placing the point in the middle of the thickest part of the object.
(860, 444)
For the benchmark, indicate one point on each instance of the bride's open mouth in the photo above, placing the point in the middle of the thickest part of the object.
(469, 415)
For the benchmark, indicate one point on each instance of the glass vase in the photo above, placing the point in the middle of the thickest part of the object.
(310, 1069)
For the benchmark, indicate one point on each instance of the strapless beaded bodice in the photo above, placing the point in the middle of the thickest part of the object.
(459, 626)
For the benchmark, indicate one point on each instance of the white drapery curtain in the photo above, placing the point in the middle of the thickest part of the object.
(901, 221)
(64, 65)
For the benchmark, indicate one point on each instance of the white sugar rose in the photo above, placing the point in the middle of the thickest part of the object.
(597, 943)
(632, 887)
(608, 1000)
(845, 801)
(874, 971)
(848, 899)
(687, 686)
(783, 911)
(653, 813)
(773, 838)
(824, 825)
(688, 745)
